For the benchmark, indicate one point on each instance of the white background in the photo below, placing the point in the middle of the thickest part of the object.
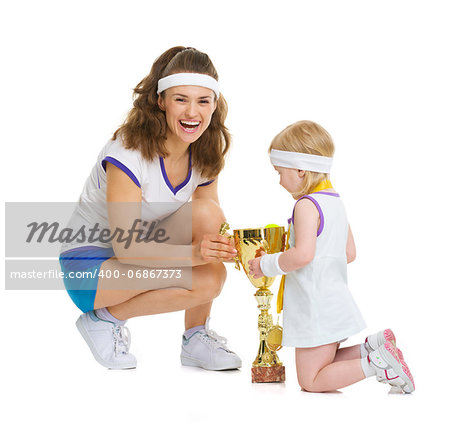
(374, 74)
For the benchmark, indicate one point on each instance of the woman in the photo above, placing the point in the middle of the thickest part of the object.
(170, 149)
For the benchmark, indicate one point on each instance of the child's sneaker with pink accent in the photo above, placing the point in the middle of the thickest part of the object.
(374, 341)
(407, 388)
(390, 369)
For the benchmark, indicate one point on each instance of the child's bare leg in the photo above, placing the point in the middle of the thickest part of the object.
(348, 353)
(318, 372)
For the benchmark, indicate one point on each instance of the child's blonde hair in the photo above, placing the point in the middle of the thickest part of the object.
(308, 138)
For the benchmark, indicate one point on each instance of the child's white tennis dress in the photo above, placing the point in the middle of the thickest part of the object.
(318, 306)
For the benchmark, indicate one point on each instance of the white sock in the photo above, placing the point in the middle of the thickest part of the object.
(369, 371)
(188, 333)
(104, 314)
(364, 352)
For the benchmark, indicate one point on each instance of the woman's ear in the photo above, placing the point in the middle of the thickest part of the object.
(161, 103)
(301, 173)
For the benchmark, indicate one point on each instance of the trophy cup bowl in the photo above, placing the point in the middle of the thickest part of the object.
(249, 243)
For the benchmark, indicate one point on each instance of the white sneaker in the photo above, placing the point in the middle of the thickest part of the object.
(109, 342)
(207, 350)
(374, 341)
(390, 369)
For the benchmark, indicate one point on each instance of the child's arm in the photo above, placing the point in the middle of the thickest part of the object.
(306, 223)
(351, 248)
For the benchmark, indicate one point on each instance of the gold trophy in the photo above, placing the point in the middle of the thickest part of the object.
(249, 243)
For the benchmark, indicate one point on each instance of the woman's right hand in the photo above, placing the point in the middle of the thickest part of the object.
(215, 248)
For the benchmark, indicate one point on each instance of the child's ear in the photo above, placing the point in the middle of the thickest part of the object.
(301, 173)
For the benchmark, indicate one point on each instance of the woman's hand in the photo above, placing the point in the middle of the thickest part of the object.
(215, 248)
(255, 267)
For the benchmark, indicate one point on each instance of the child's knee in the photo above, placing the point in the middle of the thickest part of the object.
(309, 387)
(308, 384)
(304, 384)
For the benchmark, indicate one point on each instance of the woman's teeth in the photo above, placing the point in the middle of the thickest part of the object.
(189, 126)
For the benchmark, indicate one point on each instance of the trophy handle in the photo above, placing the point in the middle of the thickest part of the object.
(223, 232)
(265, 245)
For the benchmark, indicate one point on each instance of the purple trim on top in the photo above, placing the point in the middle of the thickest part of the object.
(98, 180)
(319, 231)
(207, 183)
(122, 167)
(166, 179)
(327, 193)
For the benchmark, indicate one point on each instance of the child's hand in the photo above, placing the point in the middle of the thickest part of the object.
(255, 268)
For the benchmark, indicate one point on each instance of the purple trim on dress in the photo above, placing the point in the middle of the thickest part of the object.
(166, 179)
(327, 193)
(319, 231)
(122, 167)
(207, 183)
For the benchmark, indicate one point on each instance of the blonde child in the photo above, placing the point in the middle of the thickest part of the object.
(319, 311)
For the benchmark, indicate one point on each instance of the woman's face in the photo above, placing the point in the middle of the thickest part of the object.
(188, 111)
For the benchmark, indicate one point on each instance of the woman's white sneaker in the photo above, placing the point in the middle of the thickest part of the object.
(207, 350)
(109, 342)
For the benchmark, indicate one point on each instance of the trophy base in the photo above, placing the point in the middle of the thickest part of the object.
(268, 374)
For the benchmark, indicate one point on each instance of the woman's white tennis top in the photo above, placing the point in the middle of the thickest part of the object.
(159, 197)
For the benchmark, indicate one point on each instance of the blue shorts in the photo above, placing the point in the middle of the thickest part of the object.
(81, 267)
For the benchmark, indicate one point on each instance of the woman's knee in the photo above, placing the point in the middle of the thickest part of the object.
(207, 216)
(212, 285)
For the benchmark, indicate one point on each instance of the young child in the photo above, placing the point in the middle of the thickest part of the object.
(319, 311)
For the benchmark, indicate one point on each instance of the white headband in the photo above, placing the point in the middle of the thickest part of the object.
(297, 160)
(196, 79)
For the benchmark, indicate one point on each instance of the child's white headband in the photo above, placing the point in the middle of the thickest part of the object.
(196, 79)
(300, 161)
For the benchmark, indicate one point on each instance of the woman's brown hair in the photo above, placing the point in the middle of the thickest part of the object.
(145, 127)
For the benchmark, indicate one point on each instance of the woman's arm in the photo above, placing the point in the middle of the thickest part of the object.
(207, 192)
(351, 248)
(216, 243)
(124, 200)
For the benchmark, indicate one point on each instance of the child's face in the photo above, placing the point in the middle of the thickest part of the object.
(290, 179)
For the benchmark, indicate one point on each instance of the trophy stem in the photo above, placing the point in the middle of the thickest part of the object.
(267, 367)
(250, 243)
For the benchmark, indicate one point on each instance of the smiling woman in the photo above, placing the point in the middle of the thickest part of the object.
(149, 121)
(171, 148)
(188, 110)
